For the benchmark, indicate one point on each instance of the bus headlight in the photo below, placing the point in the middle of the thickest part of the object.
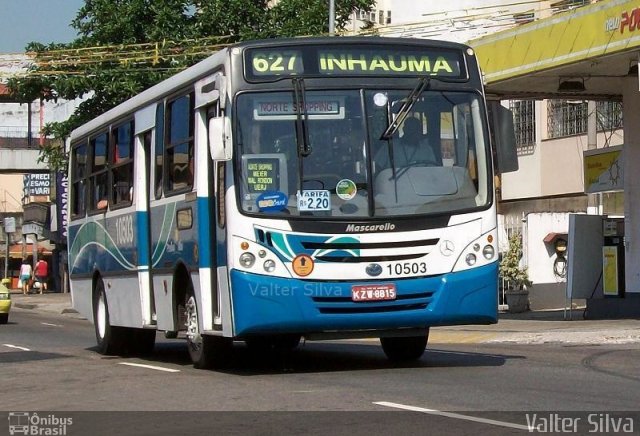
(247, 260)
(470, 259)
(488, 252)
(269, 265)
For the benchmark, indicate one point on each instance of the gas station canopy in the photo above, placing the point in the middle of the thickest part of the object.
(579, 54)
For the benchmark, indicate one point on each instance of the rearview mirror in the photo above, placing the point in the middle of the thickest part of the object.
(220, 138)
(504, 137)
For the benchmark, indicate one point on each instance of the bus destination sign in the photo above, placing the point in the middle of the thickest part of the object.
(274, 63)
(275, 108)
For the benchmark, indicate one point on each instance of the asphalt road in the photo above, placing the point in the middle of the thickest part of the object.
(49, 365)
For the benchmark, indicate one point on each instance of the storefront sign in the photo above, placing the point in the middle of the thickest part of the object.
(603, 170)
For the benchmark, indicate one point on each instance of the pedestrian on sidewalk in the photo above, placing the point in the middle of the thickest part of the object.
(42, 274)
(25, 276)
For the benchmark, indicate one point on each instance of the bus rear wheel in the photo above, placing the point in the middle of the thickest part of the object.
(205, 351)
(404, 348)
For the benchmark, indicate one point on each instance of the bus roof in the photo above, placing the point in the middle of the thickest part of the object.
(208, 66)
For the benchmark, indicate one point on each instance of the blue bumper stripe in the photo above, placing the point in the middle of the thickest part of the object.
(264, 304)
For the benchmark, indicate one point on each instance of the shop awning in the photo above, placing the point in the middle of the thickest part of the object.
(16, 250)
(595, 45)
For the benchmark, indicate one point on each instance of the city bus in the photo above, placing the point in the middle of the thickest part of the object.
(272, 192)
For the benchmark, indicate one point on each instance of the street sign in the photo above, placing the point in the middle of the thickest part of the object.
(33, 229)
(9, 224)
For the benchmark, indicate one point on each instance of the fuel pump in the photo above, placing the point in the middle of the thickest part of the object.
(613, 257)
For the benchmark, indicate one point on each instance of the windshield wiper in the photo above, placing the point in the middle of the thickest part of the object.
(408, 104)
(394, 124)
(302, 125)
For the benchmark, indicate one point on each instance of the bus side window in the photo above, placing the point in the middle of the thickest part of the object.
(179, 145)
(122, 164)
(159, 151)
(99, 180)
(79, 180)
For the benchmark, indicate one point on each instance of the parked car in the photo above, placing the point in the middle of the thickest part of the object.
(5, 304)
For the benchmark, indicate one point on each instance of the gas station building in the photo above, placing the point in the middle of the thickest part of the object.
(586, 54)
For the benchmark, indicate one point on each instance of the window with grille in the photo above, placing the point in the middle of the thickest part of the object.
(524, 121)
(609, 115)
(566, 118)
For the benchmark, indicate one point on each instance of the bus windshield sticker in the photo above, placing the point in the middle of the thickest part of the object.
(318, 108)
(346, 189)
(272, 201)
(262, 174)
(314, 200)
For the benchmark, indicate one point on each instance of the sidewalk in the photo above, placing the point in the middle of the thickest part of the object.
(535, 327)
(48, 302)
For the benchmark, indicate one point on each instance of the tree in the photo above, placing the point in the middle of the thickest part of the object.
(126, 46)
(509, 269)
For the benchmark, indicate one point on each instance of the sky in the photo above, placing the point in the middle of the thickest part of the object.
(45, 21)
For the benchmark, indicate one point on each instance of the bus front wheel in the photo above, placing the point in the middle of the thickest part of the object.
(111, 340)
(205, 351)
(405, 348)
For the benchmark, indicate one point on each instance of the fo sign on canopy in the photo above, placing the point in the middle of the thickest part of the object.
(603, 170)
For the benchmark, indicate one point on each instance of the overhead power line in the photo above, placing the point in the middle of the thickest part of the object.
(158, 56)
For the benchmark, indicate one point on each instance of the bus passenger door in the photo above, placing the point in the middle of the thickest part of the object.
(143, 222)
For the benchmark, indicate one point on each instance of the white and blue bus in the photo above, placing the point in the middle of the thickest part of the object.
(274, 191)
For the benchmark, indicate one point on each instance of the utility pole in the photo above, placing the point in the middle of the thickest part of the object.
(9, 227)
(332, 17)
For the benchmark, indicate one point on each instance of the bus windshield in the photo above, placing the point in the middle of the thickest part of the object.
(435, 161)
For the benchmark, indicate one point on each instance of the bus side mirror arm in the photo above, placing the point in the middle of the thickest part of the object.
(220, 138)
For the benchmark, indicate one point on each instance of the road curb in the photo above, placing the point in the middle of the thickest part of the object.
(25, 306)
(69, 310)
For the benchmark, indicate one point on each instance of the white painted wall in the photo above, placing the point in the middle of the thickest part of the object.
(11, 190)
(13, 116)
(540, 257)
(455, 20)
(555, 167)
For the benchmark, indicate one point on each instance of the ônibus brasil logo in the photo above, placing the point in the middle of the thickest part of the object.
(28, 423)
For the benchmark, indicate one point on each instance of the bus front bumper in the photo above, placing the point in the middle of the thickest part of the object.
(273, 305)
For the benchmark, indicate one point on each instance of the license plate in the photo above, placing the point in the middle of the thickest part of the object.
(373, 292)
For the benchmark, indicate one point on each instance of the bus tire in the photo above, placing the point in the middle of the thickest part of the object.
(111, 340)
(404, 348)
(4, 318)
(205, 351)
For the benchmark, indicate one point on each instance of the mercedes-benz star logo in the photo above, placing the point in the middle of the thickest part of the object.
(447, 247)
(374, 269)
